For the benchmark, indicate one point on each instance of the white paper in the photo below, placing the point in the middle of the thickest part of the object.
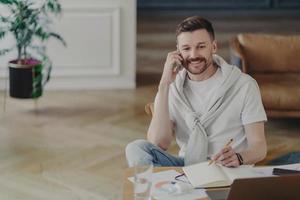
(194, 194)
(268, 170)
(243, 171)
(170, 175)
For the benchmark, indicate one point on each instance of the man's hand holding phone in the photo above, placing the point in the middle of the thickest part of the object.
(173, 64)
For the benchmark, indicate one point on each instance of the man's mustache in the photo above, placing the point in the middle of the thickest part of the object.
(196, 59)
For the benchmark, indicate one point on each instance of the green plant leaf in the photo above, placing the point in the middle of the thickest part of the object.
(5, 51)
(7, 1)
(2, 34)
(58, 37)
(4, 19)
(37, 86)
(43, 35)
(54, 6)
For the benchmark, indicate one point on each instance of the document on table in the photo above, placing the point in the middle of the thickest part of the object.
(169, 176)
(268, 170)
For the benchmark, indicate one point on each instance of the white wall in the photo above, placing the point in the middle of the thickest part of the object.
(101, 51)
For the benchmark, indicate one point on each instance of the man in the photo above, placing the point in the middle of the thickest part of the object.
(204, 102)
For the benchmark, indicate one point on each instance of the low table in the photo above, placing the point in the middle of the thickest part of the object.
(128, 186)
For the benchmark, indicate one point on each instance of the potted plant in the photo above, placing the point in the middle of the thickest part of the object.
(29, 21)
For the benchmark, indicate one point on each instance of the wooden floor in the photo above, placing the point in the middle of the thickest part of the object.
(70, 144)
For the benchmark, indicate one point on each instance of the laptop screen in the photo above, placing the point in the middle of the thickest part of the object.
(274, 188)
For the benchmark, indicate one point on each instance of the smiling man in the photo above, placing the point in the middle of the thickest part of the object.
(203, 102)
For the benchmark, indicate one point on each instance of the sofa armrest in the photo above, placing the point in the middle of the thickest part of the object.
(236, 60)
(149, 108)
(236, 55)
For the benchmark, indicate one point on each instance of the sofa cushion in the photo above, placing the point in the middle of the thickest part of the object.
(279, 91)
(270, 53)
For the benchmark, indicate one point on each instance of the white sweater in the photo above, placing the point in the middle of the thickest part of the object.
(236, 102)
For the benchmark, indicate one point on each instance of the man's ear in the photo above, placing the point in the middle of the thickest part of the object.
(214, 46)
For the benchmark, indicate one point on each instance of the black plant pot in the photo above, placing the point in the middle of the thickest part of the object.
(25, 79)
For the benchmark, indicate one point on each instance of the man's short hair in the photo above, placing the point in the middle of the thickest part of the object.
(194, 23)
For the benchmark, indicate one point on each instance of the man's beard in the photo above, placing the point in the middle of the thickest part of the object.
(203, 61)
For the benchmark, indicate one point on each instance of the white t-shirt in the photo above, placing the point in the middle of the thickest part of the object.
(246, 108)
(199, 93)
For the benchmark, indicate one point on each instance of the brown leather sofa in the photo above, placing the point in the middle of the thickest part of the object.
(274, 61)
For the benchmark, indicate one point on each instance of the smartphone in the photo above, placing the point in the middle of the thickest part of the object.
(179, 66)
(280, 171)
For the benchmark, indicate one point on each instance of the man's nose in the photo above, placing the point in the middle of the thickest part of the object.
(193, 53)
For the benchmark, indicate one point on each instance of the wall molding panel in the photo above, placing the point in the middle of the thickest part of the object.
(101, 46)
(94, 64)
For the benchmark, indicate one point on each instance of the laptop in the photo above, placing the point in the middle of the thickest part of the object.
(263, 188)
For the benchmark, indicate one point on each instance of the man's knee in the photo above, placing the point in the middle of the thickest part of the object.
(137, 146)
(137, 152)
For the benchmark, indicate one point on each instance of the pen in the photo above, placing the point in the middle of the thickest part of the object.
(227, 145)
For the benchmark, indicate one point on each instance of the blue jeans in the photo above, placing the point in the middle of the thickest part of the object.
(141, 152)
(289, 158)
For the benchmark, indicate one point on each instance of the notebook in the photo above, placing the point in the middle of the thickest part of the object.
(206, 176)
